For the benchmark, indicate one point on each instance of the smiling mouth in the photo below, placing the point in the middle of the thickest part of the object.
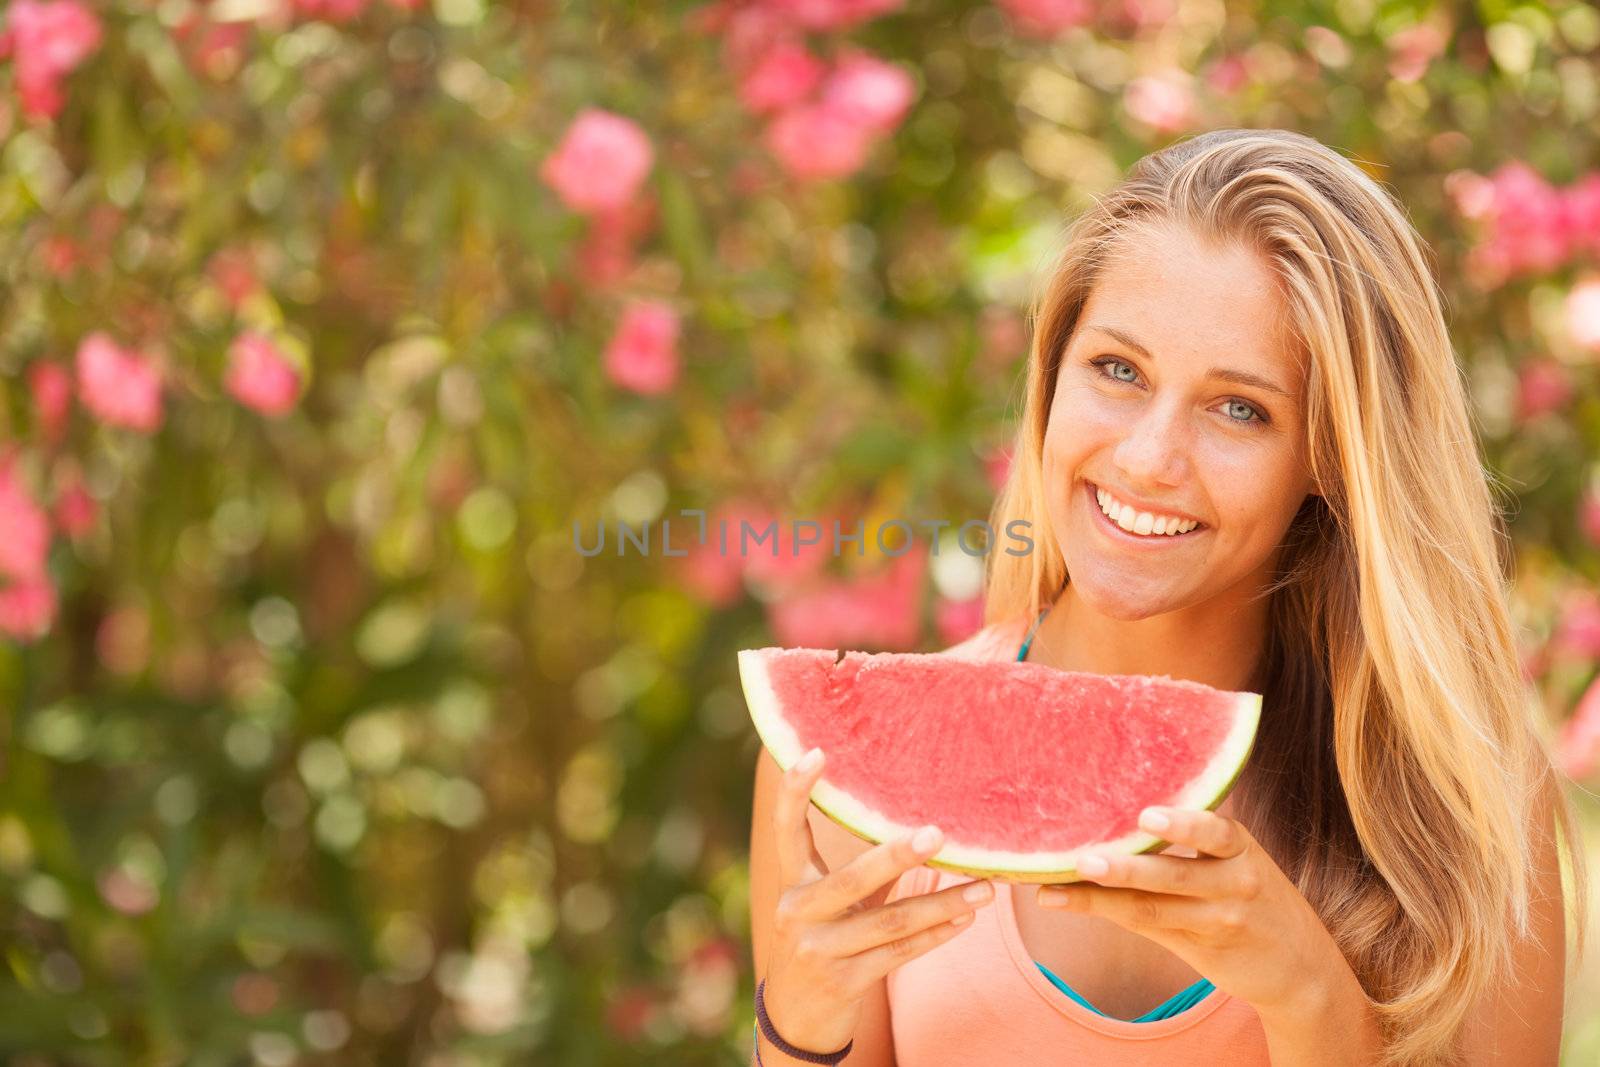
(1091, 490)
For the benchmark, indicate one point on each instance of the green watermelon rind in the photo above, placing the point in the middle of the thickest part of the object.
(1205, 791)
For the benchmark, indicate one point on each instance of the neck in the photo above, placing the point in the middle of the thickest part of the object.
(1218, 643)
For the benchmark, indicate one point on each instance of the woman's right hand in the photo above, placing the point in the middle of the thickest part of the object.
(829, 946)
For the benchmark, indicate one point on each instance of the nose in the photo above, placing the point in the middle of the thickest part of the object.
(1155, 449)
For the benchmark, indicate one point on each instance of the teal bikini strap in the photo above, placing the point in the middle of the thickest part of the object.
(1023, 653)
(1176, 1004)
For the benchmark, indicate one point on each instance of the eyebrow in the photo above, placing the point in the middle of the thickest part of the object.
(1227, 374)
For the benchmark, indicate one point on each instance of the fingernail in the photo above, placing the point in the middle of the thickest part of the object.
(927, 839)
(977, 893)
(1151, 819)
(1093, 865)
(812, 758)
(1054, 898)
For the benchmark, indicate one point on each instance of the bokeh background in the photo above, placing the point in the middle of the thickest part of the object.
(330, 330)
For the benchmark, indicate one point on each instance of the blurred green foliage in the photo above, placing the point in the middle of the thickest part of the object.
(338, 751)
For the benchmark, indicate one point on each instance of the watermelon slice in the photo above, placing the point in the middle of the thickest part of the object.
(1022, 766)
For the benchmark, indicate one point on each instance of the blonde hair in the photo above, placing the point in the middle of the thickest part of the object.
(1401, 750)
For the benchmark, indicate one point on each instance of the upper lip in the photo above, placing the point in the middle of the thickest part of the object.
(1140, 505)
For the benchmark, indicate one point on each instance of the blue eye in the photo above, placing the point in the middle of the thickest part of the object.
(1259, 418)
(1249, 409)
(1113, 360)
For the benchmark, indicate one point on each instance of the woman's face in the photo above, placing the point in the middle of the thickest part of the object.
(1145, 409)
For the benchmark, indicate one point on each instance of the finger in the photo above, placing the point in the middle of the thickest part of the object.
(867, 930)
(795, 845)
(1205, 876)
(1134, 909)
(1210, 833)
(867, 873)
(878, 962)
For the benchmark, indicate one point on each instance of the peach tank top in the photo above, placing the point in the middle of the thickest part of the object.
(979, 998)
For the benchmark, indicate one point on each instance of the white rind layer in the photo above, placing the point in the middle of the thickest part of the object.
(1204, 791)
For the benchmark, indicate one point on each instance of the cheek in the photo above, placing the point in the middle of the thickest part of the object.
(1080, 423)
(1255, 489)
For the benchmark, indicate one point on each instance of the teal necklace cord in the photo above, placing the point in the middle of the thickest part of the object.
(1023, 654)
(1178, 1002)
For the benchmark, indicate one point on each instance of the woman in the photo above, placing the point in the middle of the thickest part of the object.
(1241, 343)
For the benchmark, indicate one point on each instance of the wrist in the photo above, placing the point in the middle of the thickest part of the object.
(770, 1055)
(1324, 1001)
(768, 1032)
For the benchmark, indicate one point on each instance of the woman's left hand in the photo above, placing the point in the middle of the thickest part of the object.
(1229, 912)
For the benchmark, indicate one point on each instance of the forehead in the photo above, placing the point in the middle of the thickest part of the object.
(1187, 298)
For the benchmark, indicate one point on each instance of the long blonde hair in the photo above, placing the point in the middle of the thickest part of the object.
(1400, 750)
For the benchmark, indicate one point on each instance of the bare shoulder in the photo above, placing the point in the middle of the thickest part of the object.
(997, 640)
(1520, 1021)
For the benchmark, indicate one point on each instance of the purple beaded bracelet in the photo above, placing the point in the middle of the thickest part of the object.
(783, 1046)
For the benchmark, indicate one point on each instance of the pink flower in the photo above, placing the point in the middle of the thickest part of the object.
(1578, 632)
(712, 570)
(260, 376)
(628, 1011)
(869, 91)
(997, 466)
(1046, 18)
(1412, 49)
(1527, 228)
(51, 387)
(333, 10)
(1162, 101)
(233, 271)
(812, 142)
(1583, 314)
(749, 31)
(826, 15)
(784, 75)
(607, 253)
(50, 38)
(1578, 747)
(1471, 194)
(60, 255)
(120, 388)
(1143, 14)
(1581, 206)
(1227, 75)
(75, 510)
(772, 556)
(789, 557)
(643, 353)
(1589, 516)
(877, 611)
(708, 573)
(27, 608)
(24, 528)
(1543, 386)
(600, 163)
(956, 620)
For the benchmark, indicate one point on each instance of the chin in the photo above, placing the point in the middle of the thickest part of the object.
(1119, 599)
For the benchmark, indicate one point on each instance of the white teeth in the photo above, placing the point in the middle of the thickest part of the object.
(1140, 522)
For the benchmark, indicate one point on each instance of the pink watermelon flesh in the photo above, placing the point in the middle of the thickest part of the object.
(1021, 765)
